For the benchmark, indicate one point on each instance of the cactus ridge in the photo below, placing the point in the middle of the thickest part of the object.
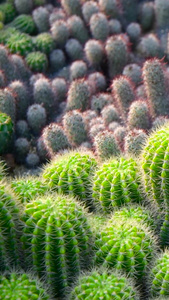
(56, 240)
(115, 183)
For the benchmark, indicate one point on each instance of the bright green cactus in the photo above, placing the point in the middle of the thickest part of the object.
(24, 23)
(155, 157)
(20, 43)
(17, 286)
(9, 229)
(159, 276)
(2, 169)
(27, 188)
(56, 240)
(71, 173)
(115, 183)
(8, 11)
(37, 61)
(104, 285)
(6, 132)
(44, 42)
(127, 246)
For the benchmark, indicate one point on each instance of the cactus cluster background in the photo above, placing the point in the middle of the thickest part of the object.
(84, 149)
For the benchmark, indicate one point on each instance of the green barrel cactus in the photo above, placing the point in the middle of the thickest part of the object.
(9, 229)
(24, 23)
(15, 286)
(56, 240)
(71, 174)
(8, 11)
(37, 61)
(159, 276)
(127, 246)
(20, 43)
(27, 188)
(155, 155)
(44, 42)
(115, 183)
(6, 132)
(104, 285)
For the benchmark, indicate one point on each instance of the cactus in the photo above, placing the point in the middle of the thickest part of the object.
(8, 11)
(149, 46)
(22, 129)
(159, 276)
(126, 245)
(154, 81)
(88, 9)
(24, 23)
(119, 134)
(99, 283)
(44, 42)
(24, 6)
(41, 19)
(147, 16)
(54, 139)
(78, 95)
(6, 132)
(99, 26)
(139, 116)
(162, 13)
(97, 82)
(21, 149)
(77, 29)
(36, 117)
(7, 103)
(20, 43)
(56, 14)
(74, 127)
(60, 88)
(60, 33)
(159, 122)
(43, 94)
(25, 286)
(6, 64)
(133, 71)
(78, 69)
(106, 145)
(123, 91)
(10, 227)
(74, 49)
(37, 61)
(110, 8)
(129, 10)
(95, 129)
(117, 54)
(72, 7)
(71, 173)
(32, 160)
(57, 60)
(22, 98)
(27, 188)
(114, 26)
(94, 52)
(134, 141)
(110, 114)
(115, 183)
(22, 72)
(56, 224)
(134, 32)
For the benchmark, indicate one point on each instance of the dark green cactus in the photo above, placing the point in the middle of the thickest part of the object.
(71, 173)
(37, 61)
(56, 240)
(16, 286)
(24, 23)
(6, 132)
(44, 42)
(115, 183)
(101, 284)
(20, 43)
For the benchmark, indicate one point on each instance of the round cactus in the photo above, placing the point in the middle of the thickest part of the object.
(27, 188)
(22, 129)
(60, 33)
(10, 227)
(149, 46)
(99, 101)
(78, 95)
(139, 116)
(59, 87)
(114, 26)
(115, 183)
(23, 6)
(6, 64)
(20, 43)
(74, 49)
(110, 114)
(36, 117)
(99, 283)
(134, 32)
(154, 81)
(41, 18)
(99, 26)
(134, 141)
(54, 139)
(22, 72)
(88, 9)
(44, 42)
(109, 7)
(71, 173)
(126, 245)
(57, 60)
(133, 71)
(6, 132)
(106, 145)
(72, 7)
(96, 82)
(74, 127)
(43, 94)
(37, 61)
(94, 52)
(8, 11)
(21, 286)
(24, 23)
(32, 160)
(130, 10)
(77, 29)
(56, 224)
(21, 148)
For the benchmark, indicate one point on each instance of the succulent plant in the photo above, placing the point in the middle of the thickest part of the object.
(44, 42)
(101, 283)
(24, 23)
(77, 29)
(6, 132)
(41, 18)
(37, 61)
(110, 8)
(21, 149)
(8, 11)
(57, 60)
(60, 88)
(106, 145)
(149, 46)
(78, 95)
(36, 117)
(20, 43)
(115, 183)
(23, 6)
(71, 173)
(43, 94)
(134, 141)
(21, 286)
(129, 10)
(56, 225)
(94, 52)
(72, 7)
(99, 26)
(60, 33)
(133, 71)
(139, 115)
(74, 49)
(7, 103)
(78, 69)
(88, 9)
(147, 15)
(162, 13)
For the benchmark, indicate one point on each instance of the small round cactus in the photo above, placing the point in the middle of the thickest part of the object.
(78, 95)
(57, 60)
(74, 49)
(23, 6)
(106, 145)
(88, 9)
(56, 223)
(9, 12)
(99, 26)
(22, 129)
(149, 46)
(134, 32)
(43, 94)
(110, 114)
(139, 115)
(36, 117)
(54, 139)
(22, 72)
(41, 19)
(6, 132)
(20, 43)
(21, 286)
(78, 69)
(37, 61)
(74, 127)
(21, 148)
(129, 10)
(24, 23)
(114, 26)
(97, 82)
(115, 183)
(77, 29)
(60, 88)
(94, 52)
(60, 33)
(71, 173)
(32, 160)
(133, 71)
(99, 283)
(44, 42)
(126, 245)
